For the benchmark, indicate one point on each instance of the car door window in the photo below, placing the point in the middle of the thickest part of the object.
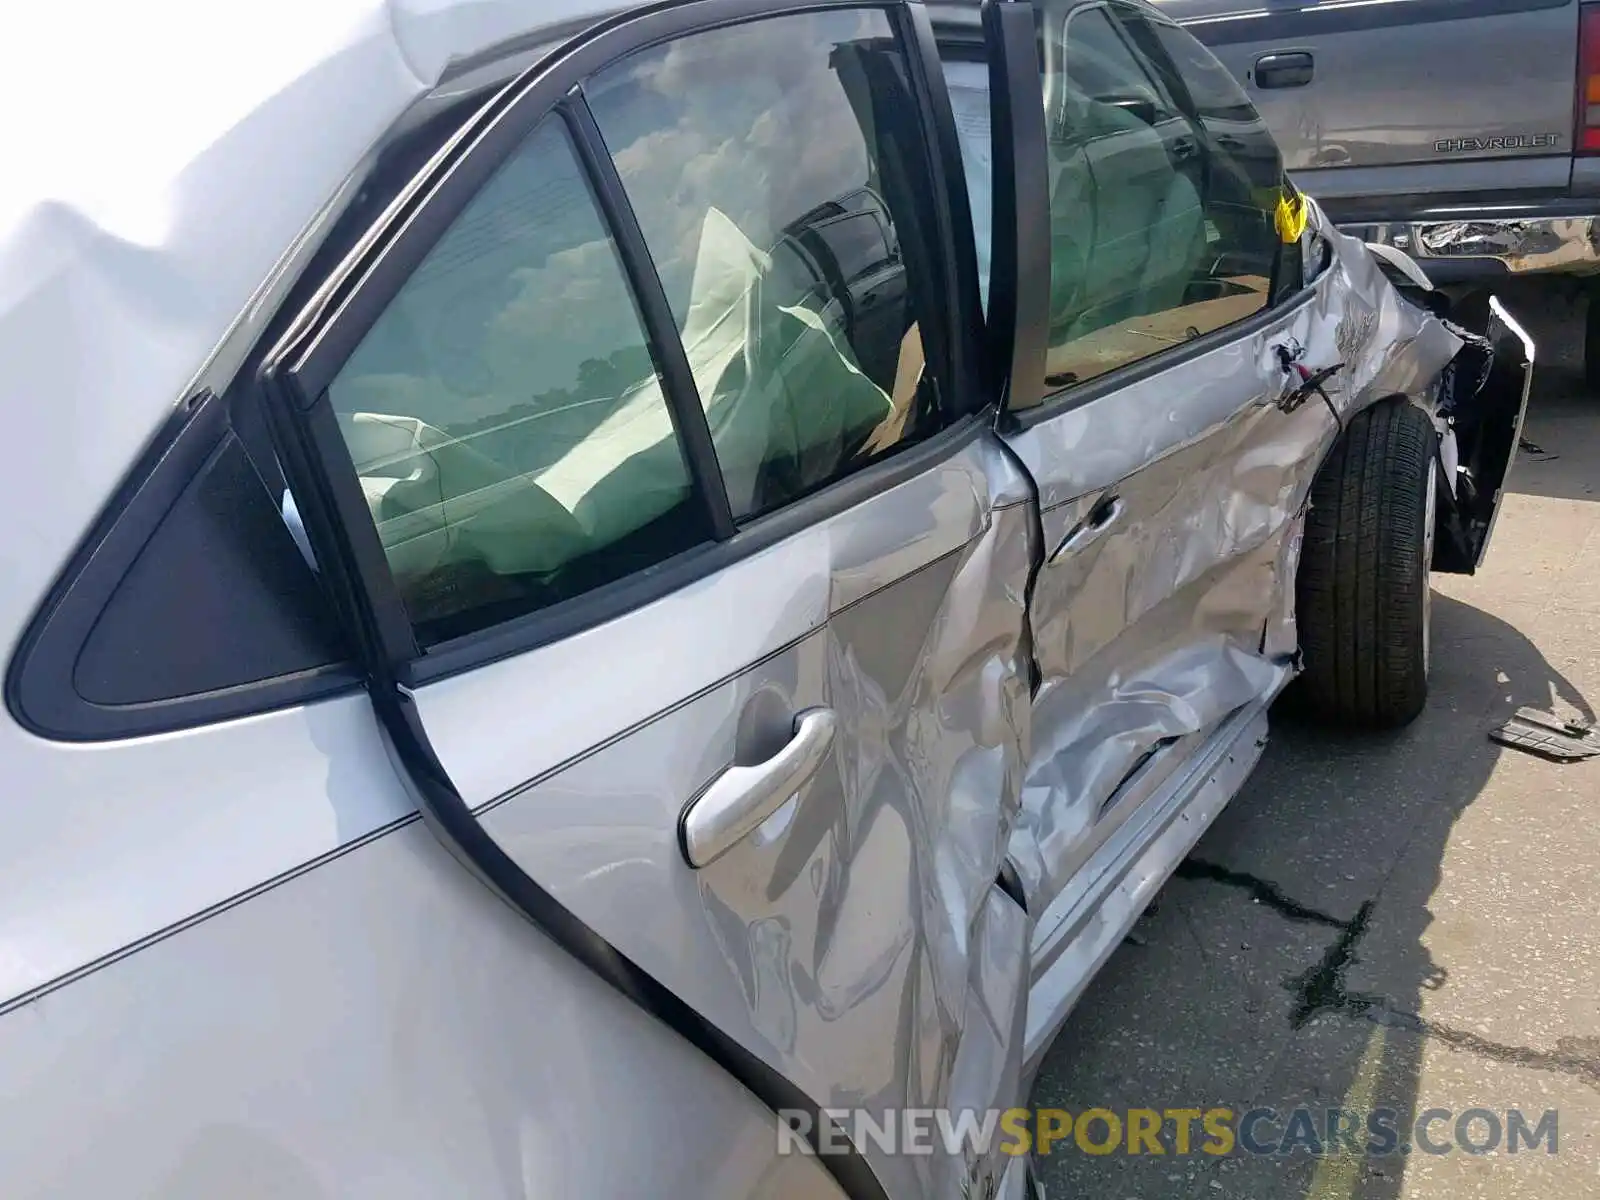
(1103, 86)
(1215, 92)
(504, 415)
(772, 169)
(1245, 178)
(1149, 245)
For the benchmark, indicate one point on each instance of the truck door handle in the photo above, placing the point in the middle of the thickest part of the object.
(1185, 148)
(1292, 69)
(740, 798)
(1106, 512)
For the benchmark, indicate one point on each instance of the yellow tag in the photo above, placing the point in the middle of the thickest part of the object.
(1291, 215)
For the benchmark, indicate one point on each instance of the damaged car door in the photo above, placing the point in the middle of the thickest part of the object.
(700, 568)
(1166, 502)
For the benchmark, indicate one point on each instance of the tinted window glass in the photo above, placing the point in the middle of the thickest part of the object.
(1107, 89)
(504, 414)
(190, 603)
(220, 596)
(777, 171)
(1156, 236)
(1244, 179)
(1212, 88)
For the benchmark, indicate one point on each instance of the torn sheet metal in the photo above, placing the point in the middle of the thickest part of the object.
(856, 940)
(1179, 610)
(1084, 754)
(1570, 244)
(1481, 401)
(1548, 736)
(1484, 401)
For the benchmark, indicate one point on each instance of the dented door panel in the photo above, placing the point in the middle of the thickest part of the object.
(1180, 613)
(1152, 631)
(856, 940)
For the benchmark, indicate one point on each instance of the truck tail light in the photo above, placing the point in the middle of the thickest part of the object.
(1588, 139)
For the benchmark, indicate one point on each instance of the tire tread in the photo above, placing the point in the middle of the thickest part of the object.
(1361, 581)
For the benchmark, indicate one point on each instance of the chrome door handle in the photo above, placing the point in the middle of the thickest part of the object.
(1107, 512)
(741, 798)
(1286, 69)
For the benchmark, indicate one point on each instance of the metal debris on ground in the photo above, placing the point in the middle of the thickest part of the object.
(1548, 736)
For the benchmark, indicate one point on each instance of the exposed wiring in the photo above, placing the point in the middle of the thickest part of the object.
(1310, 382)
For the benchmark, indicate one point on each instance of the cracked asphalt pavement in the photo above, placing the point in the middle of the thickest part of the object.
(1405, 921)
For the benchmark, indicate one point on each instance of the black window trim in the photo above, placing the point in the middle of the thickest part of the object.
(646, 290)
(40, 687)
(299, 370)
(968, 351)
(1019, 237)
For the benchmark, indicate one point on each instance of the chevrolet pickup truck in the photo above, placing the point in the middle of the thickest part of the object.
(1464, 132)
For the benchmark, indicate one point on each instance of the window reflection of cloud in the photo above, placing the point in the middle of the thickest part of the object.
(506, 307)
(755, 132)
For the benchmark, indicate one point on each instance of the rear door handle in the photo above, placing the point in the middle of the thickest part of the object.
(1292, 68)
(1185, 148)
(1106, 512)
(740, 798)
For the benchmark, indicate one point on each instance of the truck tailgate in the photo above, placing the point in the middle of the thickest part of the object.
(1403, 97)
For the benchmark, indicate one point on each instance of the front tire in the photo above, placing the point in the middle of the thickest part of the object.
(1362, 596)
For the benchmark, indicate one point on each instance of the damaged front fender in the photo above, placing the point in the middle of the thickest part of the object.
(1478, 406)
(1483, 399)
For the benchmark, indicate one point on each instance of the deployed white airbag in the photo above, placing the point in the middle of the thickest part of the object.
(776, 383)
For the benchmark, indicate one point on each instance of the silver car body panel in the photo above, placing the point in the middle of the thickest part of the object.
(383, 1028)
(857, 940)
(1504, 178)
(234, 963)
(1160, 645)
(1094, 912)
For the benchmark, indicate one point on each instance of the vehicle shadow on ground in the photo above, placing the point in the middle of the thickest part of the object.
(1239, 988)
(1561, 439)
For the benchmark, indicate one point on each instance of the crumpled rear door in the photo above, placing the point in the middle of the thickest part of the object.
(762, 786)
